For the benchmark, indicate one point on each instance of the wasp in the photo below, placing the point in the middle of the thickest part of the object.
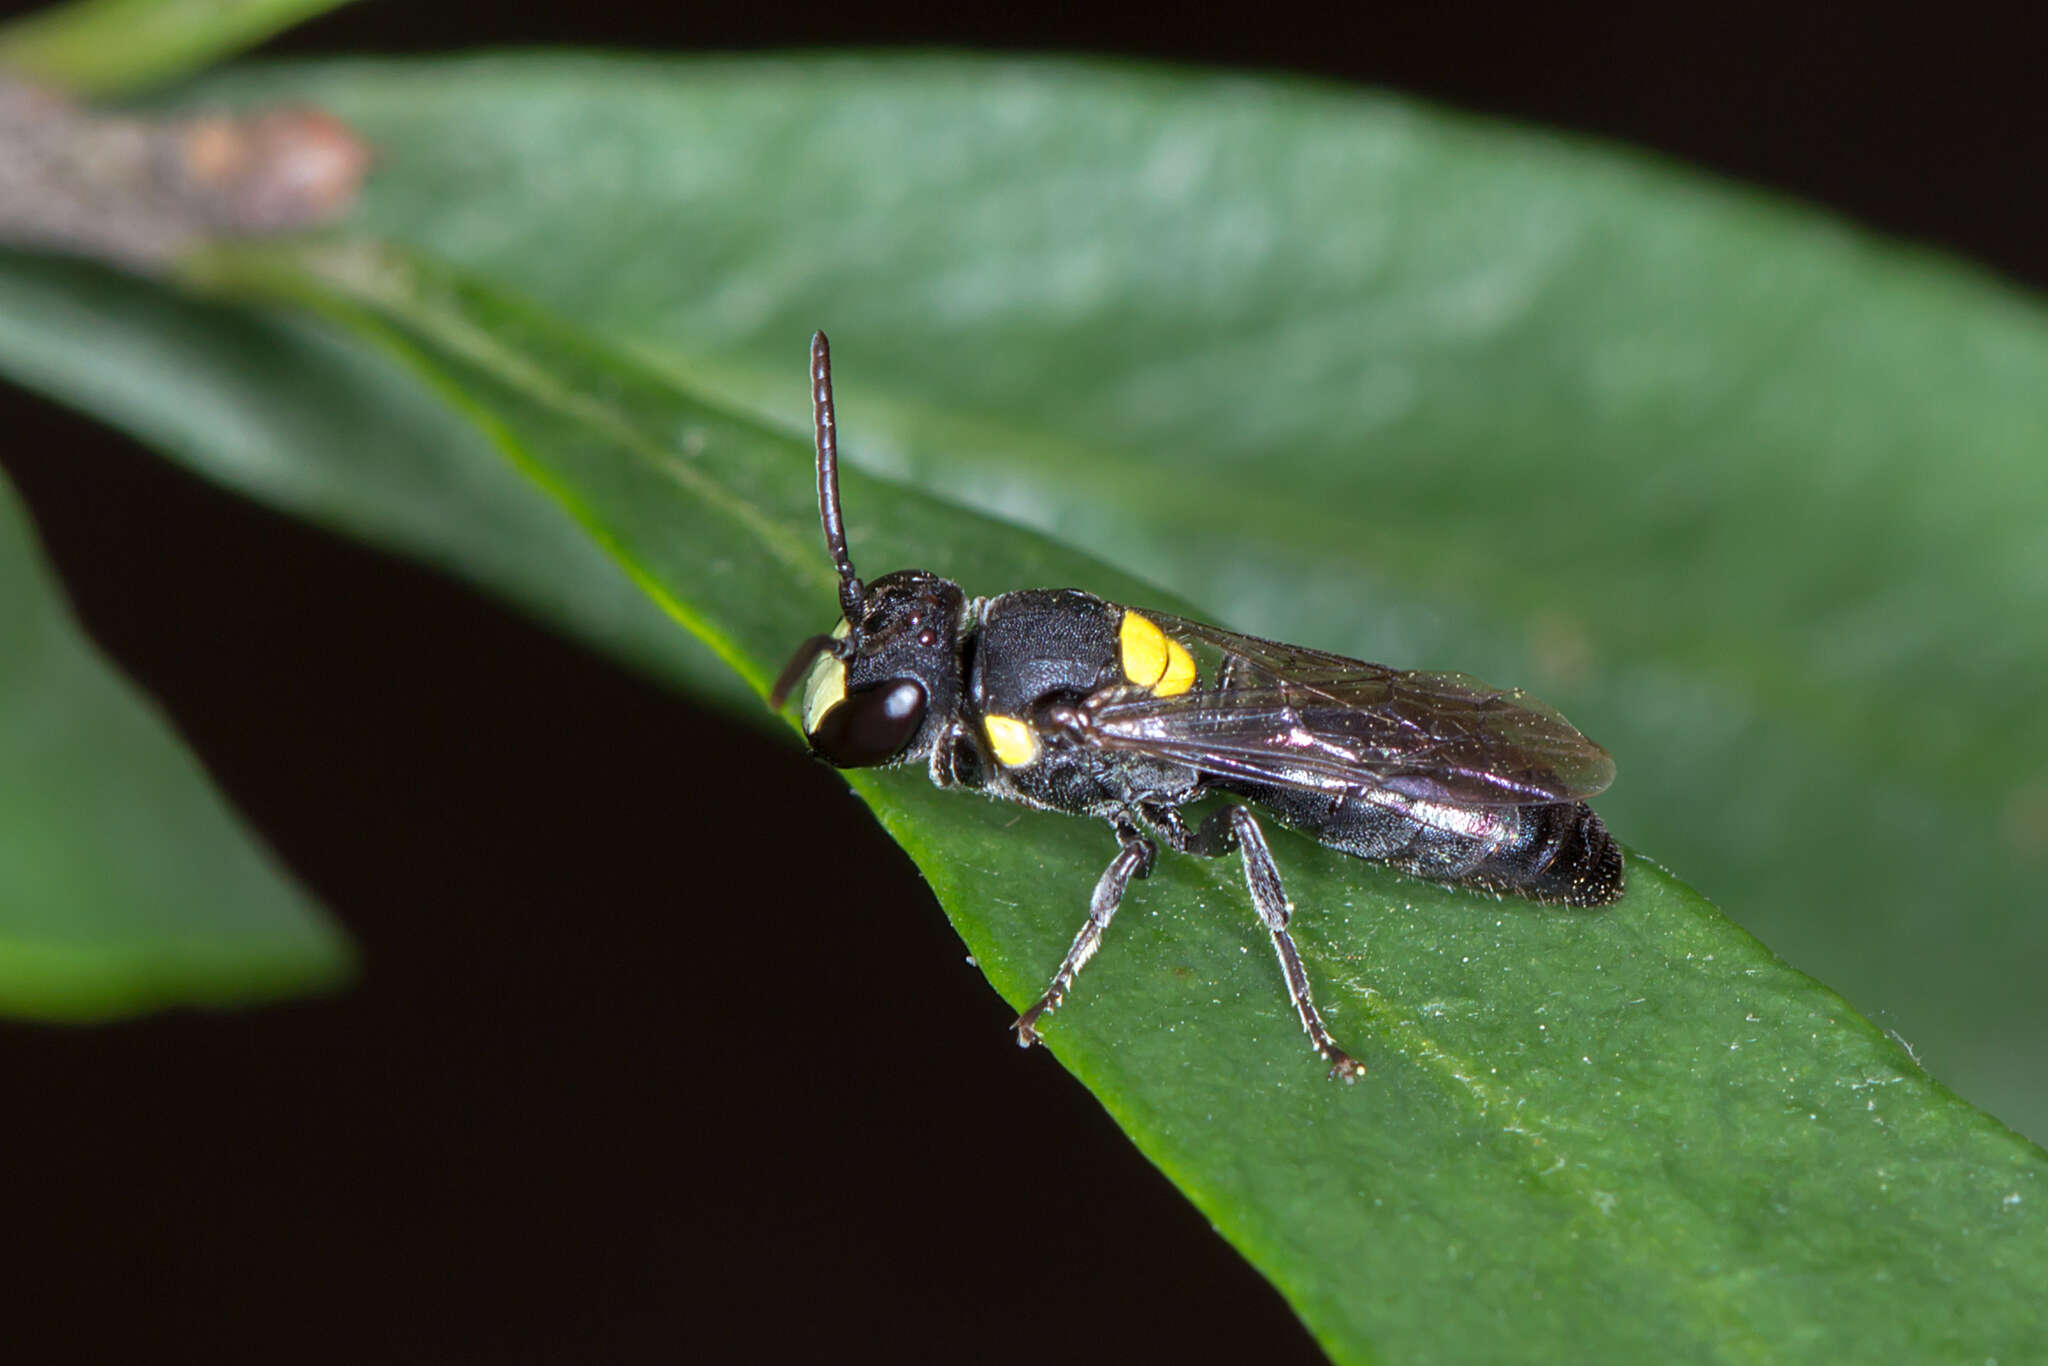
(1061, 700)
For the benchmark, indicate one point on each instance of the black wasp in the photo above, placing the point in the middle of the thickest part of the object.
(1058, 699)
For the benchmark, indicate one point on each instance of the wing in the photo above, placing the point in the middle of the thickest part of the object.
(1302, 718)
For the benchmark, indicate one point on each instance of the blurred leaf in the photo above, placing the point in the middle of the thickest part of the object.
(125, 882)
(284, 412)
(1635, 1134)
(106, 47)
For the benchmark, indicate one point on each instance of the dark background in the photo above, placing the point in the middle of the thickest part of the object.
(549, 1124)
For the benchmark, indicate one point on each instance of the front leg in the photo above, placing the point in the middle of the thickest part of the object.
(1133, 860)
(944, 766)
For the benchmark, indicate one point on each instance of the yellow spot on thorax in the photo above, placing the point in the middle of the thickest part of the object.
(1152, 659)
(1013, 742)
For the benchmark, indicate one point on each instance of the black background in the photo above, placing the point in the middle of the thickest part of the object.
(553, 1121)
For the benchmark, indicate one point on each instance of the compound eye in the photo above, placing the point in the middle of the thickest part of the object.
(872, 725)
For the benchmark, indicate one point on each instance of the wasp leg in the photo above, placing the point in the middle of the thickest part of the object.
(1133, 860)
(1269, 898)
(940, 767)
(1213, 840)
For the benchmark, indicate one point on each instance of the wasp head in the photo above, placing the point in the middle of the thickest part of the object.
(879, 692)
(879, 688)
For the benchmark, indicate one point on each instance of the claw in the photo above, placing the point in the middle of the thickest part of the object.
(1026, 1035)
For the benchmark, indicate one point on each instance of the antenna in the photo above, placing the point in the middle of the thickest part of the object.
(851, 590)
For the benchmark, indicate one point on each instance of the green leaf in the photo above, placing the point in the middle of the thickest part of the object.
(1358, 375)
(106, 47)
(1752, 497)
(125, 882)
(1638, 1125)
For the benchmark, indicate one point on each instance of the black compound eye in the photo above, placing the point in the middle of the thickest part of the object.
(872, 725)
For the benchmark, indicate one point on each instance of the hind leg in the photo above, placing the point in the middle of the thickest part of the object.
(1236, 828)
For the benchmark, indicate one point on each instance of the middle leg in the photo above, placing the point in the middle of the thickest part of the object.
(1269, 898)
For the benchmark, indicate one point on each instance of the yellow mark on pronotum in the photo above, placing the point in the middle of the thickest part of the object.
(1012, 740)
(1152, 659)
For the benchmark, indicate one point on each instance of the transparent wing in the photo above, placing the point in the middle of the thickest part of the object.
(1306, 719)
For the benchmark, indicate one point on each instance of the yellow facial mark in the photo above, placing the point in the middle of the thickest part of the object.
(825, 685)
(1152, 659)
(1012, 740)
(823, 690)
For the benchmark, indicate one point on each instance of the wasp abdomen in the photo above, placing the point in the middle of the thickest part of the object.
(1564, 855)
(1569, 857)
(1556, 852)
